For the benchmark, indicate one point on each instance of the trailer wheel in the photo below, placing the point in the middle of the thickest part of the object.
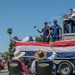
(65, 68)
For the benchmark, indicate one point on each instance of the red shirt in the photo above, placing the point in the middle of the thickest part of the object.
(24, 68)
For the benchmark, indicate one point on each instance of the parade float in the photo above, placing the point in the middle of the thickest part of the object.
(65, 60)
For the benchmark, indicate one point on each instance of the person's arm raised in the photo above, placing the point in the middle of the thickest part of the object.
(39, 31)
(52, 57)
(52, 47)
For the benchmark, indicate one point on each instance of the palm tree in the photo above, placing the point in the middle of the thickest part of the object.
(9, 31)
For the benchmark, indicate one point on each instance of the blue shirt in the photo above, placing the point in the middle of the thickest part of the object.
(55, 31)
(45, 31)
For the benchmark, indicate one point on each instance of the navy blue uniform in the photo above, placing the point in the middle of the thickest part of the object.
(45, 31)
(55, 32)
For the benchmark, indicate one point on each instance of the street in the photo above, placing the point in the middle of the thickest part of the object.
(5, 72)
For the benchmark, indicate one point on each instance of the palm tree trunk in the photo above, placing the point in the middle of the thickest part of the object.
(9, 38)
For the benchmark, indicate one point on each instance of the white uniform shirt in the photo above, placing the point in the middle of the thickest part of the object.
(52, 57)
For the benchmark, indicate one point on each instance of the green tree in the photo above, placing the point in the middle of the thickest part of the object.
(11, 45)
(5, 55)
(8, 55)
(9, 31)
(40, 38)
(9, 52)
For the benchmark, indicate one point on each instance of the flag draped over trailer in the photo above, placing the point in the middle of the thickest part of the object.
(64, 49)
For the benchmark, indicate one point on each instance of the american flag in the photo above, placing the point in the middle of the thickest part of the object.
(34, 27)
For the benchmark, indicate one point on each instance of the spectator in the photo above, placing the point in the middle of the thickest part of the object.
(70, 12)
(46, 32)
(73, 14)
(18, 56)
(55, 32)
(41, 55)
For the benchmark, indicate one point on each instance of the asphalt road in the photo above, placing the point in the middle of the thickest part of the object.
(5, 72)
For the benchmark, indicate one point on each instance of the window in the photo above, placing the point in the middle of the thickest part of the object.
(69, 26)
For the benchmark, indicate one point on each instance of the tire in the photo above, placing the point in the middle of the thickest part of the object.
(65, 68)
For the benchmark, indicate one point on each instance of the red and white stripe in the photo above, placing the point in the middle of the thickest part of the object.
(60, 46)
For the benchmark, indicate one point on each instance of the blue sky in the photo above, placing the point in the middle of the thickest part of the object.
(22, 15)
